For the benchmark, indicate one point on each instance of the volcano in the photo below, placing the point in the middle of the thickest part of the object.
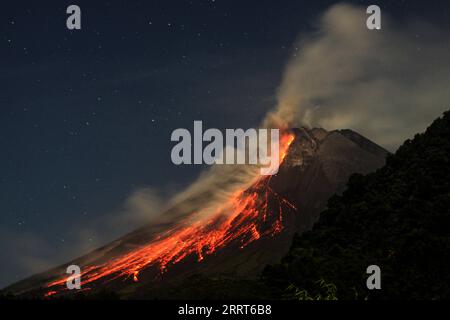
(253, 228)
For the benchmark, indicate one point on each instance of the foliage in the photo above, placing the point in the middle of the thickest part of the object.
(328, 292)
(397, 218)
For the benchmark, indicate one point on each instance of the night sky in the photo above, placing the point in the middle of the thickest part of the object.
(86, 116)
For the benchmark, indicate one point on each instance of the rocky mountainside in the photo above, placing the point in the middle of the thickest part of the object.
(258, 231)
(397, 218)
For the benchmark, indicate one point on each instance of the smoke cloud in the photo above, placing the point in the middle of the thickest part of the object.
(386, 84)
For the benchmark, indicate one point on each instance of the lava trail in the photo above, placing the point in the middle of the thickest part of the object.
(246, 217)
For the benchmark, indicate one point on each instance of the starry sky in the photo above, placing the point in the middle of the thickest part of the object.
(86, 115)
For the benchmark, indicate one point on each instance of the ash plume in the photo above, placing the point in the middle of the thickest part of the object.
(386, 84)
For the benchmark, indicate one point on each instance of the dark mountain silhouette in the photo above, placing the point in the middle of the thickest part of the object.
(397, 218)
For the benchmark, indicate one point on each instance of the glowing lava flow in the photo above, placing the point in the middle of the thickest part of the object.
(242, 220)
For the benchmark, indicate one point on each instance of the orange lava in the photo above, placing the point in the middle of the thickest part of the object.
(237, 221)
(50, 293)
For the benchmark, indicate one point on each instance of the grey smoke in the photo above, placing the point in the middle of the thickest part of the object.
(387, 84)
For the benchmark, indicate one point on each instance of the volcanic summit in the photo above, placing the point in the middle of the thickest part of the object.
(254, 228)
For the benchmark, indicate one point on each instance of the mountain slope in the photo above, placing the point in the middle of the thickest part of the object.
(397, 218)
(257, 230)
